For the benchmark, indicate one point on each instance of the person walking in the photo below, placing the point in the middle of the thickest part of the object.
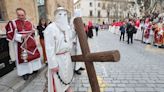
(90, 29)
(130, 31)
(97, 28)
(122, 30)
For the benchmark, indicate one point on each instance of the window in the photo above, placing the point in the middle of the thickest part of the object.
(2, 11)
(103, 7)
(79, 5)
(99, 13)
(90, 4)
(98, 4)
(1, 14)
(90, 13)
(98, 20)
(108, 6)
(108, 14)
(40, 2)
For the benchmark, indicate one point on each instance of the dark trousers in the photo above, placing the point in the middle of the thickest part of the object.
(130, 36)
(122, 34)
(97, 31)
(43, 50)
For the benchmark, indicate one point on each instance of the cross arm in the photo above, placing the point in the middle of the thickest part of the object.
(107, 56)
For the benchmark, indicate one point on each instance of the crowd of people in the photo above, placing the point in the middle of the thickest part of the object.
(89, 29)
(153, 30)
(148, 30)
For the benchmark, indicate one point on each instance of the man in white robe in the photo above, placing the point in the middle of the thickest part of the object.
(58, 42)
(21, 32)
(76, 47)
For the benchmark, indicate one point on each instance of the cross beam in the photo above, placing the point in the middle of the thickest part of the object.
(89, 58)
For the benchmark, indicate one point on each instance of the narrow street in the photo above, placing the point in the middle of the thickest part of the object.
(139, 70)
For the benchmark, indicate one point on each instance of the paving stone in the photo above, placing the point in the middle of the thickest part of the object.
(159, 89)
(120, 89)
(144, 89)
(109, 90)
(83, 89)
(130, 89)
(151, 85)
(121, 85)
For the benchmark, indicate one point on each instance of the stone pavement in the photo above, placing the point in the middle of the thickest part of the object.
(141, 68)
(13, 83)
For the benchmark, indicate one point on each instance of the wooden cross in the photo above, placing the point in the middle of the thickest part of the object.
(89, 58)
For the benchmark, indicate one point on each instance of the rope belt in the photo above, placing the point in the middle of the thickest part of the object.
(61, 53)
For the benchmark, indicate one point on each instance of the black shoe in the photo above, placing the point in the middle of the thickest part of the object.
(36, 71)
(25, 77)
(46, 64)
(77, 72)
(81, 68)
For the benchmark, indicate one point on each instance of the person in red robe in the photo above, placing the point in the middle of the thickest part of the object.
(138, 34)
(163, 34)
(159, 38)
(90, 29)
(21, 32)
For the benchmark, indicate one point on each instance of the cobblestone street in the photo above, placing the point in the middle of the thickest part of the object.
(140, 69)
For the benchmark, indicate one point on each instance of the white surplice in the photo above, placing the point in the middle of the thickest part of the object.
(138, 35)
(58, 55)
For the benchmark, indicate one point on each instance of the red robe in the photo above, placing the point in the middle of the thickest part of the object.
(147, 32)
(137, 24)
(159, 38)
(23, 27)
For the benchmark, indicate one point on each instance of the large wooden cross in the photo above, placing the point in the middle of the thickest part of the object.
(89, 58)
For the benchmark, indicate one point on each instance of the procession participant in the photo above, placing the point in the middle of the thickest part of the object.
(78, 66)
(160, 36)
(58, 38)
(146, 31)
(21, 32)
(90, 29)
(163, 34)
(156, 29)
(147, 38)
(138, 35)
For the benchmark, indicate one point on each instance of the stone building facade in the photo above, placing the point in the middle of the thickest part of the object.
(51, 6)
(8, 7)
(99, 11)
